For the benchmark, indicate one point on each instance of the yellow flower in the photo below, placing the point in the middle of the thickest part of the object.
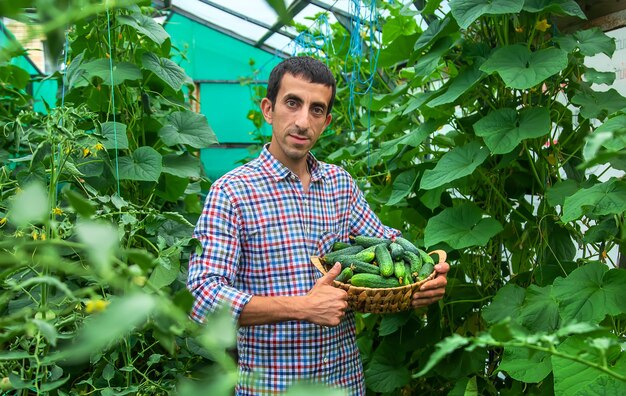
(18, 234)
(57, 211)
(99, 147)
(86, 152)
(42, 236)
(251, 116)
(92, 306)
(35, 235)
(3, 221)
(542, 25)
(519, 29)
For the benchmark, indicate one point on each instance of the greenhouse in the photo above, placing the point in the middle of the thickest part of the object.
(312, 197)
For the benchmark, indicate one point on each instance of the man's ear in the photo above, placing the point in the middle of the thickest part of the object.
(329, 118)
(266, 109)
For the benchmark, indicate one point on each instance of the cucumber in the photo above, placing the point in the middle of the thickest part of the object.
(340, 245)
(360, 267)
(427, 269)
(408, 278)
(407, 245)
(367, 241)
(415, 262)
(365, 255)
(399, 271)
(331, 258)
(372, 280)
(396, 250)
(385, 262)
(345, 275)
(426, 258)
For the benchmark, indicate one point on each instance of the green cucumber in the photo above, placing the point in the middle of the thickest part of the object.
(408, 278)
(399, 271)
(372, 280)
(345, 275)
(426, 270)
(340, 245)
(331, 258)
(414, 261)
(407, 245)
(360, 267)
(385, 262)
(426, 258)
(365, 255)
(396, 250)
(367, 241)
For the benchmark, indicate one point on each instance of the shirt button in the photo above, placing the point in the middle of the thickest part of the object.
(325, 360)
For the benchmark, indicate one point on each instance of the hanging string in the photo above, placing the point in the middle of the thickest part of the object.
(117, 165)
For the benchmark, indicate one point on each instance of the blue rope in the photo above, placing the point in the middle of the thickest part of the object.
(117, 165)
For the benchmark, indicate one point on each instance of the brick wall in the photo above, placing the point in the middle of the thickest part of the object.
(34, 45)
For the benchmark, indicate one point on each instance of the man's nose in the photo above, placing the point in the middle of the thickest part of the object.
(302, 119)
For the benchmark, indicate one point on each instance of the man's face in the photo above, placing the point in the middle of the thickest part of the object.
(298, 118)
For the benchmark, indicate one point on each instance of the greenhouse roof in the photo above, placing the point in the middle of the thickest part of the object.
(258, 24)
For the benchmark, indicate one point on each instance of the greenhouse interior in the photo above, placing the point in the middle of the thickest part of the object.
(313, 197)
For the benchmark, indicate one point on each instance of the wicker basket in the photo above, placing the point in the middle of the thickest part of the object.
(380, 300)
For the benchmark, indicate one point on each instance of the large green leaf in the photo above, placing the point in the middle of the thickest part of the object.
(460, 227)
(12, 75)
(427, 63)
(467, 11)
(599, 77)
(398, 26)
(525, 364)
(522, 69)
(599, 104)
(121, 71)
(540, 311)
(590, 293)
(571, 376)
(560, 247)
(145, 25)
(435, 30)
(560, 190)
(168, 71)
(402, 186)
(29, 206)
(507, 303)
(561, 7)
(114, 134)
(457, 163)
(189, 128)
(457, 86)
(182, 165)
(386, 372)
(602, 199)
(589, 42)
(443, 348)
(504, 129)
(145, 164)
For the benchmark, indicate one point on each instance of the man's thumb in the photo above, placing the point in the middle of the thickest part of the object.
(331, 275)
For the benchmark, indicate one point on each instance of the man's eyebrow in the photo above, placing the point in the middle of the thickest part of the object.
(293, 97)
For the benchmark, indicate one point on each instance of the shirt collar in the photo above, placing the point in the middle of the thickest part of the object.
(280, 171)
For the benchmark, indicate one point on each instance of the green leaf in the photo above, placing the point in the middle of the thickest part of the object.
(540, 311)
(602, 199)
(594, 76)
(402, 186)
(29, 206)
(81, 205)
(101, 240)
(280, 8)
(114, 136)
(571, 376)
(427, 63)
(455, 164)
(507, 303)
(590, 293)
(398, 26)
(168, 71)
(123, 315)
(12, 75)
(460, 227)
(522, 69)
(599, 104)
(443, 349)
(604, 231)
(589, 42)
(145, 25)
(171, 187)
(435, 30)
(385, 372)
(559, 7)
(525, 365)
(182, 165)
(390, 323)
(145, 164)
(457, 86)
(560, 190)
(47, 330)
(122, 71)
(467, 11)
(165, 273)
(504, 129)
(560, 245)
(186, 127)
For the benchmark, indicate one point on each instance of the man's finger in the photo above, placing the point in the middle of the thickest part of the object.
(331, 275)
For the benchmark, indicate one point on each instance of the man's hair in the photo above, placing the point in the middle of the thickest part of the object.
(304, 67)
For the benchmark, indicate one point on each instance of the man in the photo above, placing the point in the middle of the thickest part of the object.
(260, 225)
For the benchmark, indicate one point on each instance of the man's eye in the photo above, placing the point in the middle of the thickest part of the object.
(318, 111)
(291, 103)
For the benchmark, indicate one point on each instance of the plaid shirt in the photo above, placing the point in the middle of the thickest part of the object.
(258, 230)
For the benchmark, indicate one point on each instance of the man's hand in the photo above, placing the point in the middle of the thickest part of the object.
(433, 290)
(327, 304)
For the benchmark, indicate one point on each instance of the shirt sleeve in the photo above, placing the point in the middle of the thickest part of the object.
(363, 220)
(213, 269)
